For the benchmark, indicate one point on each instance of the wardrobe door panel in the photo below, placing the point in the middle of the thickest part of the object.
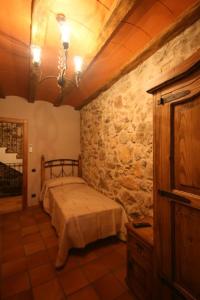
(187, 249)
(186, 169)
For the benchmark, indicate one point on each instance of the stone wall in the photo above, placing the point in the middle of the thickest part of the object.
(117, 129)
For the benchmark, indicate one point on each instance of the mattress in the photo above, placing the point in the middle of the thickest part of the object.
(81, 215)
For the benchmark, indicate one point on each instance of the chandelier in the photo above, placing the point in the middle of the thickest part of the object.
(61, 77)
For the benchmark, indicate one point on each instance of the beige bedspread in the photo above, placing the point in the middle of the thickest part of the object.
(82, 215)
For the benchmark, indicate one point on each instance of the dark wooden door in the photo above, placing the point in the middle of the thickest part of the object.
(177, 188)
(13, 181)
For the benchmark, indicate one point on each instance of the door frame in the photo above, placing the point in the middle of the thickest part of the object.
(25, 155)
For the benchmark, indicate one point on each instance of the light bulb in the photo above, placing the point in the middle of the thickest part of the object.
(78, 62)
(36, 54)
(64, 29)
(65, 32)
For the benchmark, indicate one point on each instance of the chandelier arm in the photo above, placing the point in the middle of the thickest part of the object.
(66, 58)
(77, 79)
(63, 72)
(45, 78)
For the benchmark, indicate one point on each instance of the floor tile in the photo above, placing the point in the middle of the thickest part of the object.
(29, 230)
(10, 243)
(108, 287)
(27, 212)
(11, 227)
(32, 248)
(13, 267)
(26, 222)
(40, 214)
(26, 295)
(10, 224)
(83, 256)
(120, 274)
(50, 241)
(14, 284)
(86, 293)
(72, 281)
(42, 219)
(70, 264)
(52, 253)
(37, 259)
(103, 249)
(126, 296)
(121, 248)
(32, 238)
(49, 291)
(9, 220)
(11, 217)
(94, 270)
(48, 232)
(13, 253)
(44, 226)
(41, 274)
(112, 261)
(35, 209)
(12, 237)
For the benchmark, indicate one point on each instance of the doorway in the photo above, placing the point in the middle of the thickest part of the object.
(13, 165)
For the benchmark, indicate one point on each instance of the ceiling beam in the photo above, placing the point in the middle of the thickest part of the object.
(184, 21)
(2, 94)
(119, 12)
(189, 65)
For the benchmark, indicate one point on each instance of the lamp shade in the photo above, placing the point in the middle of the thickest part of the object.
(78, 62)
(64, 28)
(36, 54)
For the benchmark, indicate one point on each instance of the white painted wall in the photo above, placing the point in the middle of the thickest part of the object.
(52, 131)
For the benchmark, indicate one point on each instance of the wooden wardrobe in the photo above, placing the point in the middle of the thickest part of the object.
(177, 182)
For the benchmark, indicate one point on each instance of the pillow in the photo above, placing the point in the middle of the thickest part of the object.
(63, 180)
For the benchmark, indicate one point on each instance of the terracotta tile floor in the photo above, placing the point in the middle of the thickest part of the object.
(28, 247)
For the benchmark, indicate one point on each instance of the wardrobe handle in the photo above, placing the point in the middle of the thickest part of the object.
(175, 197)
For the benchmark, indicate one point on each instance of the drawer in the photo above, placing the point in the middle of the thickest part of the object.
(139, 280)
(139, 252)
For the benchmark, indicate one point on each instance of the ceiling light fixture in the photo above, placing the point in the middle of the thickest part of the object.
(62, 79)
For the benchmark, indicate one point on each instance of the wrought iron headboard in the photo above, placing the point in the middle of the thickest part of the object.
(59, 165)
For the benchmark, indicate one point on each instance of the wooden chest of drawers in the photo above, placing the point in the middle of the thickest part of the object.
(140, 261)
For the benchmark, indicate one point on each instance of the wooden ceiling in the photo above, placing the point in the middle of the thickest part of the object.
(108, 34)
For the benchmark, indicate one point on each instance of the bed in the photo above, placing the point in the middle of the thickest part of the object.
(79, 213)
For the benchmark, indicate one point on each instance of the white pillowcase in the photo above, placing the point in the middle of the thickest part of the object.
(63, 180)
